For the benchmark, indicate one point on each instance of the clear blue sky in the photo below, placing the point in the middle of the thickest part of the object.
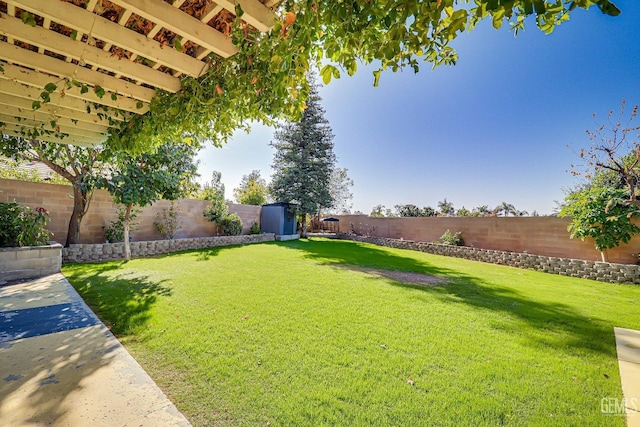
(493, 128)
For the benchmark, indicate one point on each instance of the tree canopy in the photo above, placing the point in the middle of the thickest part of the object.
(304, 161)
(165, 173)
(252, 189)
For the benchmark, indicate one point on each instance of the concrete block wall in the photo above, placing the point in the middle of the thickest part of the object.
(58, 200)
(535, 235)
(88, 252)
(29, 262)
(602, 271)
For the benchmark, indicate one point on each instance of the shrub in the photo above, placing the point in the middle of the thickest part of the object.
(255, 228)
(216, 211)
(23, 226)
(452, 239)
(168, 222)
(114, 231)
(231, 225)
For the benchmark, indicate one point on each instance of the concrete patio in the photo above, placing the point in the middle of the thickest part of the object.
(61, 366)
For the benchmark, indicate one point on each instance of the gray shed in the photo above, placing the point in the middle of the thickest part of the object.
(278, 218)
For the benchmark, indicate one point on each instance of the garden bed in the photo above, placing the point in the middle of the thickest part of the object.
(29, 261)
(114, 251)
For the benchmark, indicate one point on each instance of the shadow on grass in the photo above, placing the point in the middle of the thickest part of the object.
(122, 301)
(555, 325)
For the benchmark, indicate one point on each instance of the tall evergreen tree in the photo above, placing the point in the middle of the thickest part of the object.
(304, 160)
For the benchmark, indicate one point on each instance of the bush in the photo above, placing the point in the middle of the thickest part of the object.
(114, 231)
(217, 211)
(231, 225)
(23, 226)
(255, 228)
(452, 239)
(168, 222)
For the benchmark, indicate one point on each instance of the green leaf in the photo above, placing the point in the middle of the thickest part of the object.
(53, 124)
(114, 97)
(50, 87)
(177, 44)
(99, 91)
(74, 34)
(239, 11)
(376, 77)
(84, 89)
(608, 8)
(45, 96)
(35, 105)
(139, 104)
(28, 19)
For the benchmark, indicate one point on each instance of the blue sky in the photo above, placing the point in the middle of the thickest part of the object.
(493, 128)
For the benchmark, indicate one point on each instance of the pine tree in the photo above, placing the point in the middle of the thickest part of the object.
(304, 160)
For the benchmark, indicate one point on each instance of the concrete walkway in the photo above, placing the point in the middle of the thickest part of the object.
(628, 350)
(60, 366)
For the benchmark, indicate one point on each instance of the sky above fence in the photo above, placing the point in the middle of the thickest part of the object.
(493, 128)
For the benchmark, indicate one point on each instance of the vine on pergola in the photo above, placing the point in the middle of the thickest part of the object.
(265, 81)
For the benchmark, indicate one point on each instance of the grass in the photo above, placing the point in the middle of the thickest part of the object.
(276, 334)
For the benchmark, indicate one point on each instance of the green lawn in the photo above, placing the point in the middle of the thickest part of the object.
(283, 334)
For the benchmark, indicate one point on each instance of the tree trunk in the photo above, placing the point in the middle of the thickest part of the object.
(80, 205)
(304, 226)
(604, 255)
(127, 247)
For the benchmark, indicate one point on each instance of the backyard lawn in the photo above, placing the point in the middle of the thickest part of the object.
(314, 332)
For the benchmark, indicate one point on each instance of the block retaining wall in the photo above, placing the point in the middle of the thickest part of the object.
(29, 262)
(602, 271)
(115, 251)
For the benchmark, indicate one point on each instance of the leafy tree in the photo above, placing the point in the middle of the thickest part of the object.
(13, 169)
(304, 161)
(615, 148)
(408, 210)
(446, 208)
(377, 211)
(78, 165)
(213, 189)
(505, 208)
(340, 188)
(463, 212)
(252, 189)
(429, 211)
(140, 180)
(482, 210)
(604, 214)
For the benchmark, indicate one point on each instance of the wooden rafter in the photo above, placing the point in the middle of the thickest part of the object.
(50, 138)
(39, 81)
(82, 52)
(106, 67)
(16, 112)
(180, 23)
(55, 110)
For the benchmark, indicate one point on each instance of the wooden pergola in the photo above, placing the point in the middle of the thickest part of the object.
(106, 58)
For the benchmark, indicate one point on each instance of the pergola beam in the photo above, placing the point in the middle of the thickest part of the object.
(86, 22)
(27, 58)
(35, 124)
(11, 111)
(255, 13)
(49, 138)
(9, 87)
(83, 52)
(167, 16)
(39, 80)
(55, 110)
